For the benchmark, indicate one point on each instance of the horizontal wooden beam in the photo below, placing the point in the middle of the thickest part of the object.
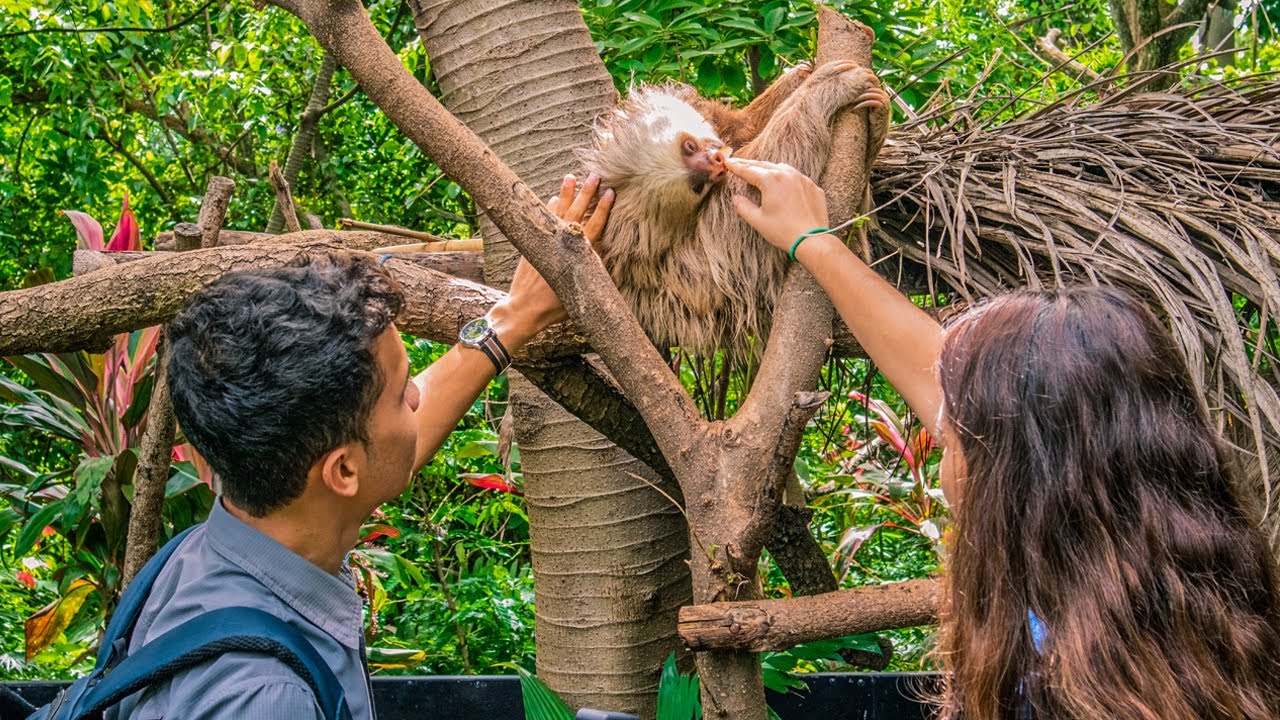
(772, 625)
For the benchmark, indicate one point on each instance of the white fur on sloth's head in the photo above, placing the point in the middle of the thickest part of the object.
(636, 145)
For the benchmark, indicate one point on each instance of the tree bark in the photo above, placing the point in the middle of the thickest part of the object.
(1219, 31)
(213, 209)
(1152, 32)
(284, 199)
(354, 239)
(152, 475)
(772, 625)
(308, 125)
(608, 549)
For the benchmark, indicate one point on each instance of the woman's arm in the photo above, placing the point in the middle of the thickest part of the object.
(900, 337)
(449, 386)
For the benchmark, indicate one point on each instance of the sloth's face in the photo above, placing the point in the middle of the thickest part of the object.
(703, 160)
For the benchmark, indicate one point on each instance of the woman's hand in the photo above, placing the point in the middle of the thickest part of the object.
(790, 203)
(531, 306)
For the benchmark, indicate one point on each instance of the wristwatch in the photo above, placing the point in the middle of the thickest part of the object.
(479, 334)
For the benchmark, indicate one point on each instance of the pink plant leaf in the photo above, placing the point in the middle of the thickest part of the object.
(492, 481)
(128, 236)
(850, 542)
(373, 531)
(186, 453)
(88, 230)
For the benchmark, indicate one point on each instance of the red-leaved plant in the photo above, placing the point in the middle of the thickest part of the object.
(99, 403)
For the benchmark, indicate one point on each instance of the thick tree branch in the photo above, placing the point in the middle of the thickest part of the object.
(559, 252)
(114, 298)
(772, 625)
(768, 495)
(152, 475)
(353, 239)
(84, 312)
(213, 209)
(284, 200)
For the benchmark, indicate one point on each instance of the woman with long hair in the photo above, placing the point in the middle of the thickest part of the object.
(1104, 565)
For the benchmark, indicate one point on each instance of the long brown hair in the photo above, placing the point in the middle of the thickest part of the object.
(1097, 497)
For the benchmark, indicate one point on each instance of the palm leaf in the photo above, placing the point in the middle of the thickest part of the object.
(678, 695)
(540, 702)
(1174, 196)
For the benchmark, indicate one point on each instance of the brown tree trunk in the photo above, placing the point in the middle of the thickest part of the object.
(1152, 32)
(608, 549)
(308, 124)
(1219, 32)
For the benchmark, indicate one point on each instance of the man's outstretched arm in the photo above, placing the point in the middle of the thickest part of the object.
(449, 386)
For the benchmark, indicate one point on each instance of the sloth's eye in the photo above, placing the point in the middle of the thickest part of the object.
(690, 147)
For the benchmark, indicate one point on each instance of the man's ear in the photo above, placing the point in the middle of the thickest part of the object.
(339, 469)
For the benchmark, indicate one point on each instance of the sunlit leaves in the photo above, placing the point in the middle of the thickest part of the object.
(44, 627)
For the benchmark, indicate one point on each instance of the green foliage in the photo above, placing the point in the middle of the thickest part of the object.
(733, 49)
(540, 701)
(783, 671)
(678, 695)
(96, 115)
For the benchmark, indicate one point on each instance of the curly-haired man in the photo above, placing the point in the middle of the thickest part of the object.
(294, 385)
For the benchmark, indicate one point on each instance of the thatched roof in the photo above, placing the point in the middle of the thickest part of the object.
(1173, 195)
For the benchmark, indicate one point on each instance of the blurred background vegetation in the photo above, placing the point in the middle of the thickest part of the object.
(100, 101)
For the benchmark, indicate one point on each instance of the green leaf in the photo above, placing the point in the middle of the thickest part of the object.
(709, 74)
(645, 20)
(678, 695)
(35, 525)
(394, 658)
(9, 519)
(540, 703)
(734, 78)
(183, 479)
(90, 474)
(46, 376)
(773, 19)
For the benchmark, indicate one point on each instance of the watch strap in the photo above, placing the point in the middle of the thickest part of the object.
(498, 352)
(494, 350)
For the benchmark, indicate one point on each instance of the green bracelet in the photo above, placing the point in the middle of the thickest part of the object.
(816, 231)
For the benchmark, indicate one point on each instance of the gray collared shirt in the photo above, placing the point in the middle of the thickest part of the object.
(227, 563)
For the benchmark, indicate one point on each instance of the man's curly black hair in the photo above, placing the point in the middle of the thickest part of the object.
(270, 369)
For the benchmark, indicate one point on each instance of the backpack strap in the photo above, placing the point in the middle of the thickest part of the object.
(125, 616)
(205, 638)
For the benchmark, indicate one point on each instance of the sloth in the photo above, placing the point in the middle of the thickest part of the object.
(693, 272)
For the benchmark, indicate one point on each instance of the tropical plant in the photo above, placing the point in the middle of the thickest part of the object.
(678, 697)
(891, 470)
(97, 403)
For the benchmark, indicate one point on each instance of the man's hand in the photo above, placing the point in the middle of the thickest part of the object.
(531, 306)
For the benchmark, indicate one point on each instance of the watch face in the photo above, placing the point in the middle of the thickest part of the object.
(474, 331)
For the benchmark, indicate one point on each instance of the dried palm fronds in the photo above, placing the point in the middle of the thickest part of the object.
(1172, 195)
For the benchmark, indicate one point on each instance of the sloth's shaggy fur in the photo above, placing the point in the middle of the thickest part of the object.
(693, 272)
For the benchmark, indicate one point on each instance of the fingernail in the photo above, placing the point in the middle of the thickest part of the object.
(593, 178)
